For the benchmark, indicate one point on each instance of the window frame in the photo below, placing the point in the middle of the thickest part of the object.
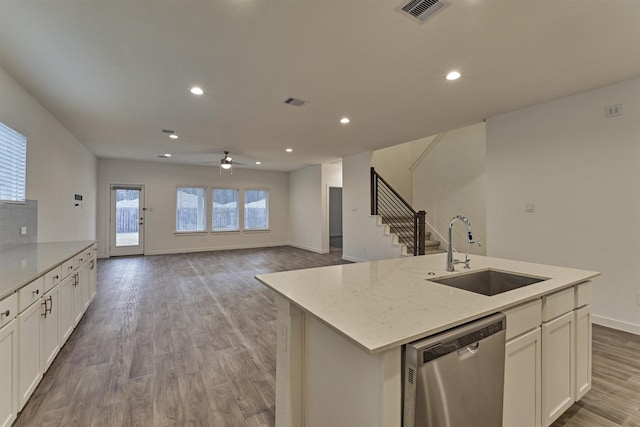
(238, 216)
(204, 207)
(18, 186)
(244, 209)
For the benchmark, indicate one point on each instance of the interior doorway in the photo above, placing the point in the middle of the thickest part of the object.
(127, 220)
(335, 219)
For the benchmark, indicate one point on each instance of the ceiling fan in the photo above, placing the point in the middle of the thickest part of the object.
(226, 163)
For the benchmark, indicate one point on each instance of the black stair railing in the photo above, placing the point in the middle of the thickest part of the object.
(404, 221)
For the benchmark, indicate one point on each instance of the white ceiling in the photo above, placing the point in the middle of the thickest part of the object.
(116, 72)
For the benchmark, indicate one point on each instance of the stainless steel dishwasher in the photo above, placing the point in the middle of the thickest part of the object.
(456, 378)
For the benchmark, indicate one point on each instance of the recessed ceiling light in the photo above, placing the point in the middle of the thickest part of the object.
(164, 156)
(258, 163)
(196, 90)
(289, 150)
(453, 75)
(173, 136)
(344, 120)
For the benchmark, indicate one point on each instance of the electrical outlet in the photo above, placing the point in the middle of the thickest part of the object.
(23, 230)
(529, 207)
(613, 110)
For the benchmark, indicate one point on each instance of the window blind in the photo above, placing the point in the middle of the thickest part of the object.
(13, 165)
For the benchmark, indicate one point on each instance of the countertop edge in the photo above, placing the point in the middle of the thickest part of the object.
(82, 245)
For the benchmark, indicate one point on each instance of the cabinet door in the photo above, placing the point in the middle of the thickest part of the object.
(85, 284)
(8, 373)
(49, 334)
(29, 374)
(93, 278)
(557, 367)
(583, 351)
(78, 305)
(65, 309)
(522, 377)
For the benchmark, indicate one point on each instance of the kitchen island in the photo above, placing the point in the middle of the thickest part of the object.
(341, 331)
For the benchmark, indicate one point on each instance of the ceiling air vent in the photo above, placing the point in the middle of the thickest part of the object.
(421, 9)
(295, 102)
(169, 131)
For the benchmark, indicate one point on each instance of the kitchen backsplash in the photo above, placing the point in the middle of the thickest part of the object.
(15, 216)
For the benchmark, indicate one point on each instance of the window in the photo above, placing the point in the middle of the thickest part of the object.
(13, 165)
(190, 209)
(224, 209)
(256, 209)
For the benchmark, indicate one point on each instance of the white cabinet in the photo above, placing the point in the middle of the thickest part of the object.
(65, 312)
(49, 335)
(583, 351)
(78, 305)
(8, 360)
(84, 278)
(522, 388)
(93, 278)
(29, 373)
(558, 366)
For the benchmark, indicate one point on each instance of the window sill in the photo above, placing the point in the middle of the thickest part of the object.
(256, 230)
(190, 233)
(225, 231)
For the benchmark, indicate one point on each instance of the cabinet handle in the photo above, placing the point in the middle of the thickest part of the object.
(45, 309)
(50, 305)
(36, 292)
(5, 313)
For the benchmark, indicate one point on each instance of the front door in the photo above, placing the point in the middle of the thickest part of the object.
(127, 220)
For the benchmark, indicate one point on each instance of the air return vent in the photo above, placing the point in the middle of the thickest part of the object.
(421, 10)
(295, 102)
(169, 131)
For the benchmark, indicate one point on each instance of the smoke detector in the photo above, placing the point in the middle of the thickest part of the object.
(421, 10)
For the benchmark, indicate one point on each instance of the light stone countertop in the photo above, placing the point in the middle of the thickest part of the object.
(380, 305)
(20, 266)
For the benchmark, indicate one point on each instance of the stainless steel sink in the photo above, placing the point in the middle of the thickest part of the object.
(488, 282)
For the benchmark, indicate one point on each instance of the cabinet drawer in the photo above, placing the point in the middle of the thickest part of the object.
(557, 304)
(81, 258)
(523, 318)
(584, 294)
(8, 309)
(52, 278)
(30, 293)
(68, 267)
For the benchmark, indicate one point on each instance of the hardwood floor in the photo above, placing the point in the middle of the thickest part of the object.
(190, 340)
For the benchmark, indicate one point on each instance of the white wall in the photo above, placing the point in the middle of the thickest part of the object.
(360, 240)
(160, 181)
(58, 166)
(450, 181)
(305, 208)
(393, 165)
(581, 171)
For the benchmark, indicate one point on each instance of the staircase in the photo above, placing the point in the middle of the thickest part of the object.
(404, 225)
(401, 219)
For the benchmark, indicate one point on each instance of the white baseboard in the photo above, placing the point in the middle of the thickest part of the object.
(214, 248)
(308, 248)
(353, 259)
(616, 324)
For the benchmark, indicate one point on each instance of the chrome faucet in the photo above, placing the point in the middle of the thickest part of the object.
(450, 261)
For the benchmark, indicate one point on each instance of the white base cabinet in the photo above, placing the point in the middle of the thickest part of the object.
(29, 373)
(65, 315)
(8, 373)
(49, 336)
(583, 334)
(522, 400)
(558, 366)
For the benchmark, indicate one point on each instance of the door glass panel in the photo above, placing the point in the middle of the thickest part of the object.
(127, 217)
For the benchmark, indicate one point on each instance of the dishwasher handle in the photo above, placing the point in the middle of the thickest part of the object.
(462, 338)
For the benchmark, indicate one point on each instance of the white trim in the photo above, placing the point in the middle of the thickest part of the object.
(616, 324)
(309, 248)
(353, 259)
(212, 249)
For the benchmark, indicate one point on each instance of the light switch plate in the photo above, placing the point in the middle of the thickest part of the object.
(23, 230)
